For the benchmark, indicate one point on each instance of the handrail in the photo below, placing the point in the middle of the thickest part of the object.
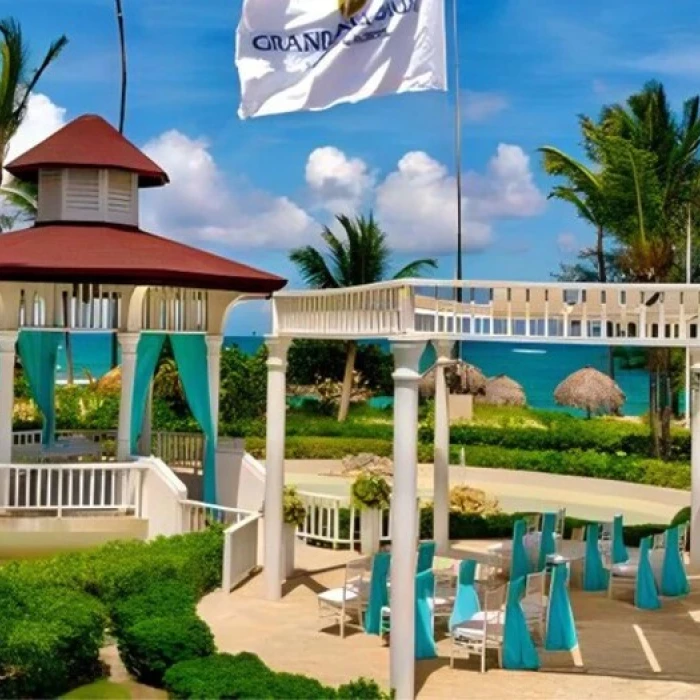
(240, 551)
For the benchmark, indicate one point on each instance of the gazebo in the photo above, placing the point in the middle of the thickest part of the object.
(86, 265)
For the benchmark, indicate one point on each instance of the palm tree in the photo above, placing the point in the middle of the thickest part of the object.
(363, 258)
(16, 80)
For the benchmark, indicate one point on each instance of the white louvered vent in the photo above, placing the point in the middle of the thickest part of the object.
(50, 195)
(82, 194)
(122, 194)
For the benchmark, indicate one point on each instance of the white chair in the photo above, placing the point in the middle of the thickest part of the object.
(535, 602)
(683, 530)
(445, 592)
(482, 631)
(623, 574)
(560, 524)
(533, 523)
(351, 599)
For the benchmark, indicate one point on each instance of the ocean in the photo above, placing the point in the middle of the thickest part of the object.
(538, 367)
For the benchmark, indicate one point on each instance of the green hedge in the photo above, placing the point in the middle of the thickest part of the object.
(54, 612)
(245, 676)
(611, 437)
(587, 463)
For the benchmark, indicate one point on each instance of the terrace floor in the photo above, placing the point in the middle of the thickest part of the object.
(625, 652)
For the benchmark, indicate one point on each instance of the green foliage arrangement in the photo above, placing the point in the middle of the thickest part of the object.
(294, 512)
(154, 644)
(681, 517)
(245, 676)
(370, 491)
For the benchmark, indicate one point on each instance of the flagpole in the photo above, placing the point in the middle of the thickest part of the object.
(688, 279)
(458, 144)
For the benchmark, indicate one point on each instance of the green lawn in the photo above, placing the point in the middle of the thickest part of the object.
(100, 690)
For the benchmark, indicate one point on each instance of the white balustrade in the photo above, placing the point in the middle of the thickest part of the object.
(241, 547)
(323, 522)
(197, 515)
(180, 450)
(61, 488)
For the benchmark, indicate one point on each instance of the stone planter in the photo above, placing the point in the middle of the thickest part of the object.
(289, 536)
(370, 530)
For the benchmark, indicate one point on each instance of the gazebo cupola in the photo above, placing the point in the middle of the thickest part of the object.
(87, 265)
(87, 172)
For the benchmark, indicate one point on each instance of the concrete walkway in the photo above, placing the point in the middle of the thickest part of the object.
(594, 499)
(626, 653)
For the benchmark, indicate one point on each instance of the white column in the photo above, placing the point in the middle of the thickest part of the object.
(214, 368)
(274, 464)
(441, 455)
(404, 517)
(695, 463)
(146, 439)
(8, 340)
(128, 343)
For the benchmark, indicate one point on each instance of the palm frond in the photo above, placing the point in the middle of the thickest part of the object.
(313, 268)
(415, 268)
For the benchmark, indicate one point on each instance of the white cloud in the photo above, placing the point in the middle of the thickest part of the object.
(42, 119)
(337, 183)
(200, 205)
(480, 106)
(681, 61)
(567, 243)
(417, 203)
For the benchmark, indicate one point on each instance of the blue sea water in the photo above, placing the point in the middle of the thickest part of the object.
(538, 367)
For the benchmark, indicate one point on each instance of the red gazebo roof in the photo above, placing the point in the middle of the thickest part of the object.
(88, 142)
(109, 254)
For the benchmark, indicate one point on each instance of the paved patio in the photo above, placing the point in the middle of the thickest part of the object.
(626, 653)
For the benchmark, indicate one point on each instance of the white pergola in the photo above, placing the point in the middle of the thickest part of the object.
(411, 313)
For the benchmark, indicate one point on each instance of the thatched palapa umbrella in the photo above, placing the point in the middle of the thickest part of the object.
(503, 391)
(461, 377)
(591, 391)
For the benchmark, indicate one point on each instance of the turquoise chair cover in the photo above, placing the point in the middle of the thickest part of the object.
(426, 554)
(425, 629)
(561, 628)
(191, 357)
(619, 551)
(378, 593)
(674, 581)
(520, 564)
(547, 544)
(147, 353)
(595, 576)
(38, 351)
(646, 596)
(466, 599)
(519, 652)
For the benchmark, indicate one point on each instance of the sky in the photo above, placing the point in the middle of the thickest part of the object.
(252, 190)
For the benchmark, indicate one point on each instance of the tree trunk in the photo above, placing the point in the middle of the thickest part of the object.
(666, 409)
(70, 368)
(603, 278)
(347, 381)
(653, 413)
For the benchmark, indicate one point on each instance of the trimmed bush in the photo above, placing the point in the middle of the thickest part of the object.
(362, 689)
(150, 647)
(682, 516)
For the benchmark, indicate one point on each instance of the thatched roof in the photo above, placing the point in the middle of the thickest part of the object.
(503, 391)
(112, 381)
(462, 378)
(591, 391)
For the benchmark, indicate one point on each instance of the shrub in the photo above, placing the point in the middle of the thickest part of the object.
(362, 689)
(150, 647)
(293, 506)
(682, 516)
(465, 499)
(371, 491)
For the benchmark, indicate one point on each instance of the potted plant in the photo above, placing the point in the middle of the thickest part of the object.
(293, 516)
(371, 494)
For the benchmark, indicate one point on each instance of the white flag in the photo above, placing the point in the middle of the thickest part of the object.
(297, 55)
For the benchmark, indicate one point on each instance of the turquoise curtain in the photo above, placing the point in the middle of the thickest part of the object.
(646, 596)
(519, 652)
(424, 626)
(619, 551)
(674, 581)
(561, 627)
(147, 353)
(466, 599)
(38, 351)
(426, 554)
(378, 593)
(520, 564)
(547, 544)
(191, 357)
(595, 576)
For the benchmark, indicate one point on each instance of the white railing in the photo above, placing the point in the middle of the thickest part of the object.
(180, 450)
(197, 515)
(241, 542)
(612, 314)
(59, 488)
(323, 521)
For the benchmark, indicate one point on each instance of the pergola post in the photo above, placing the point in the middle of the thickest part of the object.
(128, 343)
(695, 463)
(441, 455)
(8, 340)
(146, 440)
(274, 464)
(404, 517)
(214, 343)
